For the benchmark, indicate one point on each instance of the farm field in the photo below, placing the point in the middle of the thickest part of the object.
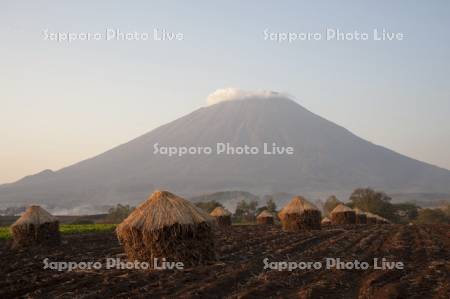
(5, 233)
(239, 271)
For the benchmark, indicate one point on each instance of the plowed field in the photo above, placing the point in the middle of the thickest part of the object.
(239, 271)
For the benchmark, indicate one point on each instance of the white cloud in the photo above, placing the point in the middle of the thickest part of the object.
(233, 94)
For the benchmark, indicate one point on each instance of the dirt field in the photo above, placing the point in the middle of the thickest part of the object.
(239, 273)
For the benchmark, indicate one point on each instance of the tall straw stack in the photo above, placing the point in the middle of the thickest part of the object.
(342, 214)
(265, 217)
(168, 226)
(300, 214)
(222, 216)
(35, 226)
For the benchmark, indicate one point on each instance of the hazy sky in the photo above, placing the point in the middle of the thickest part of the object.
(62, 102)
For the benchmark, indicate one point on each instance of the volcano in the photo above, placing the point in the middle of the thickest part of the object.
(326, 159)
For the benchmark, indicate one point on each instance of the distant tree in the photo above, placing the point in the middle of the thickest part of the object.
(320, 204)
(252, 206)
(208, 206)
(118, 213)
(242, 208)
(246, 211)
(406, 211)
(376, 202)
(260, 209)
(330, 204)
(271, 205)
(432, 216)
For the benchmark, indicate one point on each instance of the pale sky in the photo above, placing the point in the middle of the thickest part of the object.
(63, 102)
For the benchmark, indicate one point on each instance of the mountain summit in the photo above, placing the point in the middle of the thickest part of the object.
(326, 159)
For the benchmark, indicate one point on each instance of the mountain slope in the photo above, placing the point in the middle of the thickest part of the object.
(327, 158)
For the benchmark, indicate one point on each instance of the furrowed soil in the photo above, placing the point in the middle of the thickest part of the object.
(239, 271)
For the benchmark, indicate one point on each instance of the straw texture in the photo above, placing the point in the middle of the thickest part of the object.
(35, 226)
(265, 217)
(300, 214)
(222, 216)
(342, 214)
(168, 226)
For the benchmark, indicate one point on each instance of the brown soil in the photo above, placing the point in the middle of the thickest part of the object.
(239, 273)
(223, 220)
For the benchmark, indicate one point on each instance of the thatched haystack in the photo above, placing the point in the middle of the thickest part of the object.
(168, 226)
(300, 214)
(35, 226)
(222, 216)
(342, 214)
(265, 217)
(326, 221)
(361, 217)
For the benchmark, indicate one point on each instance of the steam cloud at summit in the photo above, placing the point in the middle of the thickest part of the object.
(235, 94)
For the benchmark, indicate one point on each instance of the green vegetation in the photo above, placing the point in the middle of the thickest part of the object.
(406, 212)
(118, 213)
(437, 216)
(4, 233)
(245, 211)
(379, 203)
(270, 206)
(86, 228)
(376, 202)
(69, 229)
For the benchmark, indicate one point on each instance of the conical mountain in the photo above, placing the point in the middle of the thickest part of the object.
(327, 158)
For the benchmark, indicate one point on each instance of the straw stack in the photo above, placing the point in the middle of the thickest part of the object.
(222, 216)
(35, 226)
(342, 214)
(300, 214)
(168, 226)
(265, 217)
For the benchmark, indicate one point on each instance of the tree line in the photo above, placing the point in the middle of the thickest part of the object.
(366, 199)
(378, 202)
